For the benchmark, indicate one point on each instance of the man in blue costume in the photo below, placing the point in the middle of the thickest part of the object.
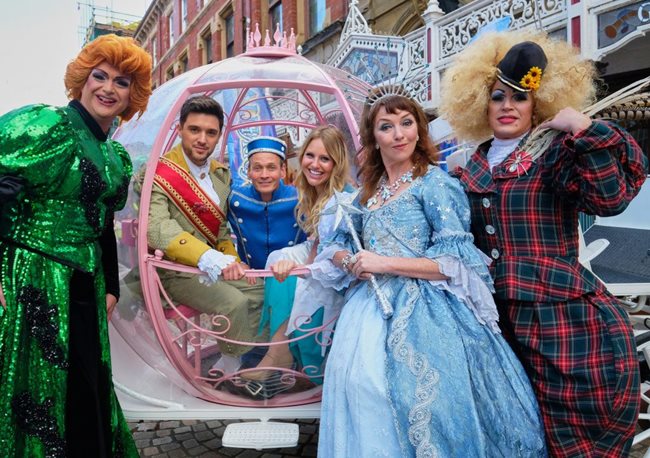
(262, 213)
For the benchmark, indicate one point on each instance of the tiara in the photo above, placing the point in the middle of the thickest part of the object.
(388, 83)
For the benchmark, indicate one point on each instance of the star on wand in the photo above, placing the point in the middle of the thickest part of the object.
(342, 209)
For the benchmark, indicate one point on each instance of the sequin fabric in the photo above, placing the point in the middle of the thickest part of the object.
(35, 419)
(72, 181)
(117, 201)
(40, 318)
(92, 188)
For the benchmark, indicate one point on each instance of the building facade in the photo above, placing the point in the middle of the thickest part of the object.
(184, 34)
(421, 34)
(614, 34)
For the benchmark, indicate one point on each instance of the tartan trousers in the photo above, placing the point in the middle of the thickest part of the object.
(580, 357)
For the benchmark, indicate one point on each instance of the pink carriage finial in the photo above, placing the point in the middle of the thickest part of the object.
(292, 41)
(281, 44)
(277, 36)
(257, 36)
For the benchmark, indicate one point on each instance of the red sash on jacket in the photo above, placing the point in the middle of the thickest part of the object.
(181, 187)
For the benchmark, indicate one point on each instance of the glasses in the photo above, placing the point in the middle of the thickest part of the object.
(122, 82)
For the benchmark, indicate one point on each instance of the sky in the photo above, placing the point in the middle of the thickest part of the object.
(37, 40)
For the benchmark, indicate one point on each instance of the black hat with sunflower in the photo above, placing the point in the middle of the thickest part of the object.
(522, 66)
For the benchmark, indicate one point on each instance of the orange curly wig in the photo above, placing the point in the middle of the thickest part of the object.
(123, 53)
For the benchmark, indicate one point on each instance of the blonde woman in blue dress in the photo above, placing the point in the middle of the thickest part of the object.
(437, 378)
(302, 308)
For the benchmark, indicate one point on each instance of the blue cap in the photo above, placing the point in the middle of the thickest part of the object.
(266, 145)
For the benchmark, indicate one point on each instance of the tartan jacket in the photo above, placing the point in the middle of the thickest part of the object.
(525, 214)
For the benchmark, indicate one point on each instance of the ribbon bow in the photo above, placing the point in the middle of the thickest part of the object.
(520, 163)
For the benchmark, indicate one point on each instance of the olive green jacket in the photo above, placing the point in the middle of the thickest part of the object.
(170, 230)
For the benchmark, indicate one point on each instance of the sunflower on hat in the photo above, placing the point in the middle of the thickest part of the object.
(531, 79)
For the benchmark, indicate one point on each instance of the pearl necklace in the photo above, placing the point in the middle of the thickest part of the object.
(386, 191)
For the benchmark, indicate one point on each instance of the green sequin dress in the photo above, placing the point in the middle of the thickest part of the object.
(73, 182)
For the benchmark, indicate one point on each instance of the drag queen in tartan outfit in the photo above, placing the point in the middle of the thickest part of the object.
(572, 336)
(58, 259)
(436, 379)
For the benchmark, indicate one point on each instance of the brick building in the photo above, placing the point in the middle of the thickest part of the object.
(184, 34)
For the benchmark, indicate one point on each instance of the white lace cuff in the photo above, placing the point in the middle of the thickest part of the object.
(212, 262)
(326, 273)
(468, 286)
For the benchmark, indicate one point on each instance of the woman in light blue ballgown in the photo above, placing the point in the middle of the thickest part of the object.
(437, 378)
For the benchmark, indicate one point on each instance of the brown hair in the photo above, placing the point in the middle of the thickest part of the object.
(310, 203)
(372, 165)
(123, 53)
(202, 104)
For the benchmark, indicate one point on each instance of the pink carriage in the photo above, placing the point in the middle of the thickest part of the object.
(159, 347)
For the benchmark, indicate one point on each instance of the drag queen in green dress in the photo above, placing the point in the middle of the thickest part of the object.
(61, 179)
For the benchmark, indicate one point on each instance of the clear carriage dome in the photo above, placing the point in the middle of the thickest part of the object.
(265, 91)
(269, 90)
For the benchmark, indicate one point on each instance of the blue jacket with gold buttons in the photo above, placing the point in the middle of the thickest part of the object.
(262, 227)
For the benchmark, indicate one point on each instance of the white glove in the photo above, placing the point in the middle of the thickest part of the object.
(212, 262)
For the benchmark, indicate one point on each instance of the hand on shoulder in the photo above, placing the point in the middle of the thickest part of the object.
(568, 120)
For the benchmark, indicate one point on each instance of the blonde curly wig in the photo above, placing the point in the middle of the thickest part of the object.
(567, 81)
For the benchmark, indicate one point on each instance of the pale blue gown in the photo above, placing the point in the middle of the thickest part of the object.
(437, 379)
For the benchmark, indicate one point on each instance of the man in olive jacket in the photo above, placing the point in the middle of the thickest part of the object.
(187, 221)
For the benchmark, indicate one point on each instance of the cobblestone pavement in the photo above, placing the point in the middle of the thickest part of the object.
(192, 438)
(189, 438)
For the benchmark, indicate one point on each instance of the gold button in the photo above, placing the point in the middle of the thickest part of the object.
(183, 241)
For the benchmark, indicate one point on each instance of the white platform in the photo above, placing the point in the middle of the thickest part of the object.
(146, 394)
(260, 435)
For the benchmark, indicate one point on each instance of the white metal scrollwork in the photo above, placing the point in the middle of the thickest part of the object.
(456, 34)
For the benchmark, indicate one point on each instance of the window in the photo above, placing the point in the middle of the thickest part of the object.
(170, 29)
(275, 14)
(154, 50)
(183, 16)
(230, 34)
(183, 63)
(316, 16)
(206, 44)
